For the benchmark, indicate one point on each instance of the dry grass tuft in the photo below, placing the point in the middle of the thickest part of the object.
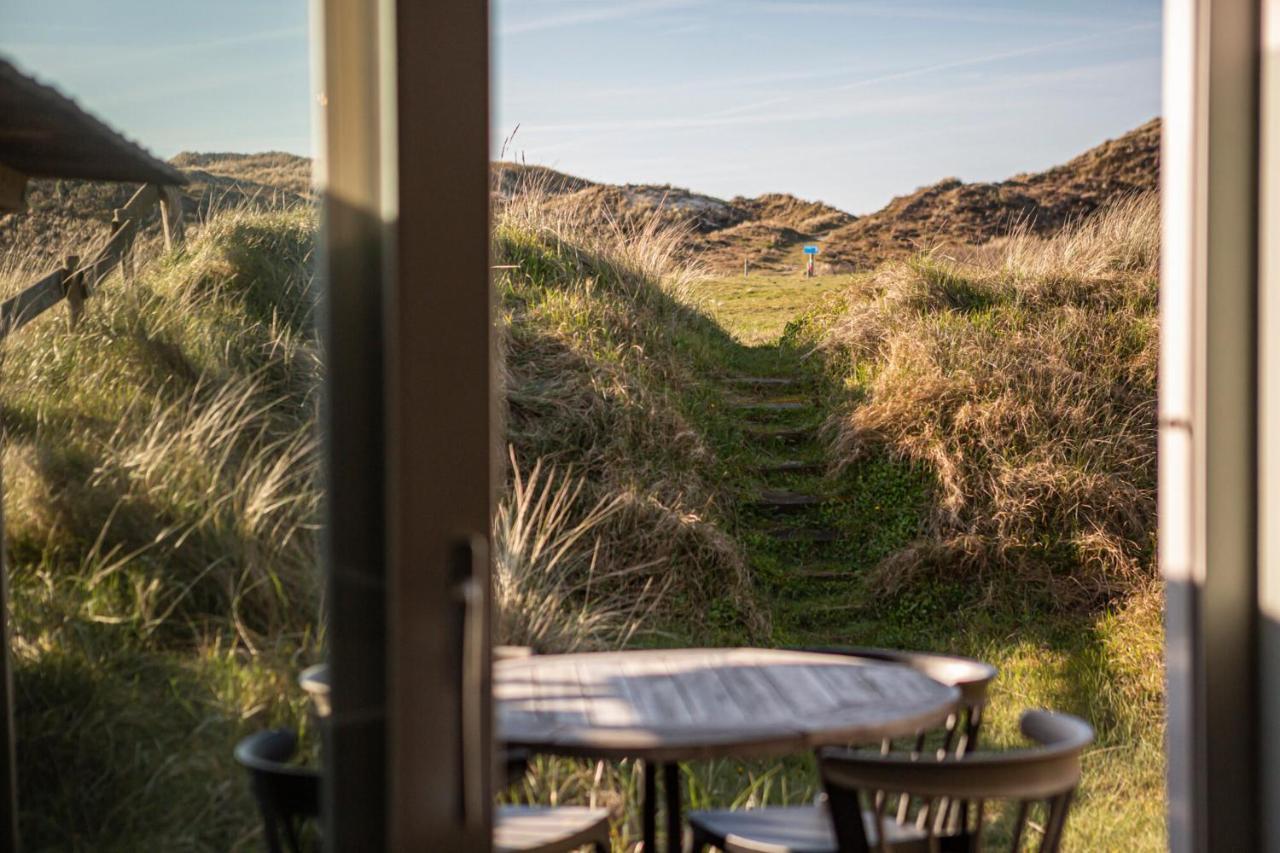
(1022, 374)
(161, 498)
(594, 379)
(547, 567)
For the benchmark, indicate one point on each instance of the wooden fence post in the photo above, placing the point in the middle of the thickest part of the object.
(118, 224)
(73, 286)
(171, 215)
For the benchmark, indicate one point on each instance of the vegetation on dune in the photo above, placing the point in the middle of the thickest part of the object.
(161, 501)
(989, 415)
(602, 367)
(1022, 376)
(990, 429)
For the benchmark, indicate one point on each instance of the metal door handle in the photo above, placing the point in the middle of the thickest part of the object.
(468, 554)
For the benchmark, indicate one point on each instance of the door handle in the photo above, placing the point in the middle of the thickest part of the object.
(470, 553)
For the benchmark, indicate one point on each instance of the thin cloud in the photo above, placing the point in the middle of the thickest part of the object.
(596, 14)
(934, 68)
(937, 99)
(902, 10)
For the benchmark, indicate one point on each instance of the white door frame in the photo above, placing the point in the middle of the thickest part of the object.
(1209, 486)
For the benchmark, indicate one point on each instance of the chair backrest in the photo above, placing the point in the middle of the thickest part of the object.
(1048, 773)
(286, 793)
(972, 677)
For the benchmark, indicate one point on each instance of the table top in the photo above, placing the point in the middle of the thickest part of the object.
(685, 704)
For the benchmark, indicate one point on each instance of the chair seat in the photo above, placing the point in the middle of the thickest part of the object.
(548, 829)
(793, 829)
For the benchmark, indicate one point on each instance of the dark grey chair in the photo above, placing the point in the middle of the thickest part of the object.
(289, 795)
(859, 784)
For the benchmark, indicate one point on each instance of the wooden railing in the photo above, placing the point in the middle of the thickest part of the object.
(76, 281)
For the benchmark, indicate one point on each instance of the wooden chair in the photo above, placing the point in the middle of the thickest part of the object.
(858, 785)
(972, 677)
(288, 795)
(783, 826)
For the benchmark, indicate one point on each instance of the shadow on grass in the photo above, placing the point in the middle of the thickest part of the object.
(132, 750)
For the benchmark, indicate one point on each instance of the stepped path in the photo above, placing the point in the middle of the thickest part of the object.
(791, 511)
(817, 539)
(805, 546)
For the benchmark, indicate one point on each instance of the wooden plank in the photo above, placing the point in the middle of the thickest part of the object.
(141, 203)
(171, 216)
(19, 310)
(754, 693)
(110, 255)
(709, 697)
(802, 689)
(658, 699)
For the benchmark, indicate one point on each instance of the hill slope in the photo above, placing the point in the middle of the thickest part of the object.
(161, 499)
(767, 231)
(952, 212)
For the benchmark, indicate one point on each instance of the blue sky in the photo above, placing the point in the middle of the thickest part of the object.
(846, 101)
(204, 75)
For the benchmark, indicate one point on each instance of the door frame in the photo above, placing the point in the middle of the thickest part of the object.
(402, 124)
(1219, 422)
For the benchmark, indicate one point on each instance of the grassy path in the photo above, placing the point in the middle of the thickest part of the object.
(811, 535)
(807, 534)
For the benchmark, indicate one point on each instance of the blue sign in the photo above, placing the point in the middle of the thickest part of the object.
(811, 250)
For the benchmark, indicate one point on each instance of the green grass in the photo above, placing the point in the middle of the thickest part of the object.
(160, 501)
(161, 504)
(757, 308)
(1101, 662)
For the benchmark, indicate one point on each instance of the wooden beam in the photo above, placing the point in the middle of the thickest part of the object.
(171, 216)
(351, 264)
(19, 310)
(1209, 407)
(9, 839)
(110, 255)
(73, 287)
(13, 190)
(140, 204)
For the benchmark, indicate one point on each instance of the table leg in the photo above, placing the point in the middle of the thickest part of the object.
(671, 786)
(649, 809)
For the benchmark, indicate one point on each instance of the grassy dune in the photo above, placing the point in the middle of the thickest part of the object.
(161, 501)
(1023, 377)
(605, 366)
(1019, 379)
(161, 505)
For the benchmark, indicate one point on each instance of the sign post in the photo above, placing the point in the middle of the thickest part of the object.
(809, 253)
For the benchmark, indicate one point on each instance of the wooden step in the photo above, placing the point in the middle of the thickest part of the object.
(763, 381)
(784, 499)
(791, 466)
(805, 534)
(825, 573)
(785, 435)
(771, 407)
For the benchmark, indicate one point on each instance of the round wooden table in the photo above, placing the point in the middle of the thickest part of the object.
(665, 706)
